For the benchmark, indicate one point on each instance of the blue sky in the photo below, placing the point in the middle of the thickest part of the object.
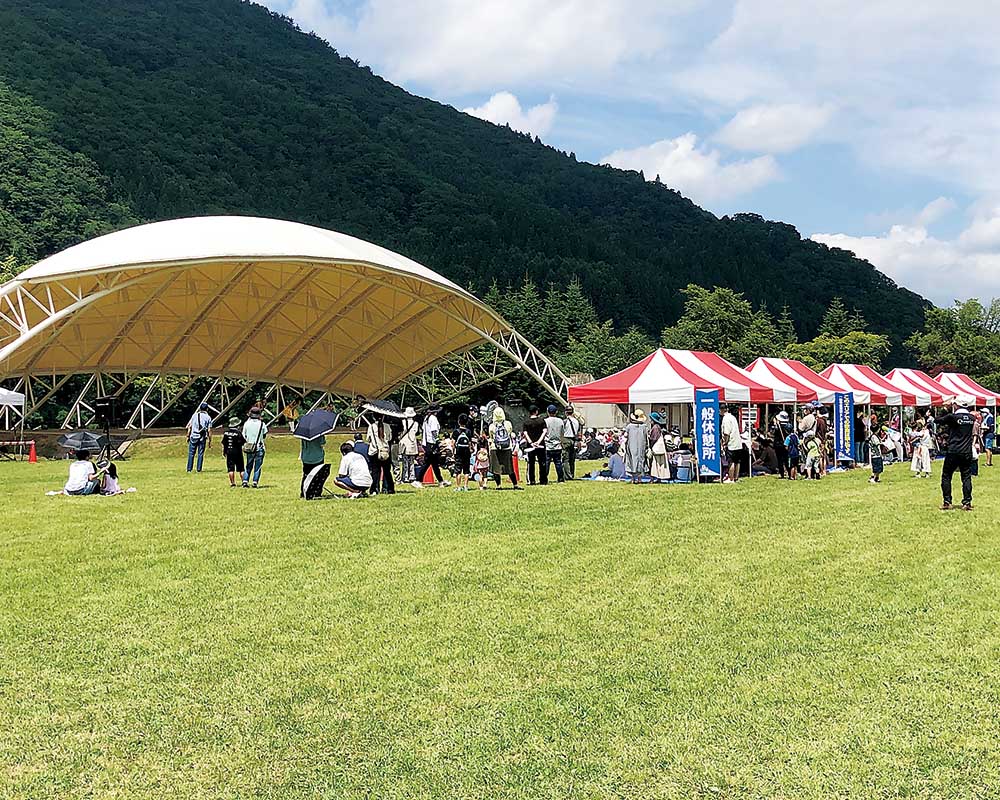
(872, 126)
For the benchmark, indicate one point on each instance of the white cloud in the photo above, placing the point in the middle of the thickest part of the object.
(940, 269)
(695, 171)
(504, 108)
(774, 128)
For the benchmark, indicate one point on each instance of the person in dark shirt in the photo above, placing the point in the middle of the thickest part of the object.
(462, 437)
(533, 443)
(232, 449)
(361, 446)
(959, 426)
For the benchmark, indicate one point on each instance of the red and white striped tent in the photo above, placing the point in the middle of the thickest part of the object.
(962, 384)
(808, 385)
(852, 377)
(673, 376)
(927, 390)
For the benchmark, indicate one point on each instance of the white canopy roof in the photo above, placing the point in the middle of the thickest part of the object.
(260, 299)
(9, 398)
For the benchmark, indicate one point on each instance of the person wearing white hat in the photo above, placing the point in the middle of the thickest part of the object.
(780, 428)
(408, 445)
(960, 425)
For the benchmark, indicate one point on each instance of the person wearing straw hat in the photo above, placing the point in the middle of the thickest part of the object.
(254, 436)
(636, 445)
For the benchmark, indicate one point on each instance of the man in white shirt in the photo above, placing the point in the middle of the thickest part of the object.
(429, 432)
(199, 431)
(732, 438)
(354, 475)
(84, 477)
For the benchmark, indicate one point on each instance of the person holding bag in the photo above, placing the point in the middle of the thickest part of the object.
(254, 434)
(659, 469)
(380, 456)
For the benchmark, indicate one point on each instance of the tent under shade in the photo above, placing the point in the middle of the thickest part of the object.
(858, 377)
(927, 390)
(673, 376)
(808, 385)
(962, 384)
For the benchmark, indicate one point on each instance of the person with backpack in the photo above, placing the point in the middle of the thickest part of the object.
(501, 439)
(380, 456)
(553, 447)
(462, 437)
(794, 455)
(199, 430)
(254, 436)
(232, 449)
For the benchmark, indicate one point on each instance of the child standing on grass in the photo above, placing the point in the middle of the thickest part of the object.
(462, 438)
(875, 452)
(792, 446)
(232, 449)
(481, 469)
(813, 456)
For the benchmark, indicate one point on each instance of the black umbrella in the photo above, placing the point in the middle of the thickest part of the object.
(385, 407)
(315, 424)
(84, 440)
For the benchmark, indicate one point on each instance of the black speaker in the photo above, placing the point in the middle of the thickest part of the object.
(106, 409)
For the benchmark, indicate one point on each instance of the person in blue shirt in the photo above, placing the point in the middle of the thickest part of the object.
(199, 431)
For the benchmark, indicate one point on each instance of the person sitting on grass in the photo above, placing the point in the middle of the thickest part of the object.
(84, 477)
(615, 469)
(354, 476)
(109, 486)
(232, 449)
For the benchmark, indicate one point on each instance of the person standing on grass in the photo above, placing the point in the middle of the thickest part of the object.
(732, 439)
(636, 445)
(232, 449)
(354, 475)
(408, 446)
(312, 455)
(875, 455)
(780, 428)
(553, 446)
(822, 436)
(794, 450)
(989, 428)
(533, 444)
(199, 430)
(570, 437)
(429, 432)
(959, 426)
(379, 440)
(254, 435)
(462, 437)
(920, 465)
(501, 439)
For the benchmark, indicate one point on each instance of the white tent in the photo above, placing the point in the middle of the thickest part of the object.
(11, 399)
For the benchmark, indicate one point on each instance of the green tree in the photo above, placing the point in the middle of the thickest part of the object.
(856, 347)
(963, 338)
(836, 320)
(599, 352)
(555, 321)
(786, 327)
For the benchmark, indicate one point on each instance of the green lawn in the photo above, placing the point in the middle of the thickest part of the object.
(818, 640)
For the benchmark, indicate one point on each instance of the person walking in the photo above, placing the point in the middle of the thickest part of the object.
(780, 428)
(379, 441)
(959, 426)
(533, 445)
(570, 438)
(199, 430)
(732, 439)
(232, 449)
(408, 446)
(636, 445)
(989, 429)
(462, 437)
(429, 431)
(501, 443)
(312, 454)
(553, 446)
(254, 436)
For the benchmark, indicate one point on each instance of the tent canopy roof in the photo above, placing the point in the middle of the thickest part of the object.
(864, 378)
(242, 297)
(10, 398)
(808, 385)
(962, 384)
(928, 392)
(672, 376)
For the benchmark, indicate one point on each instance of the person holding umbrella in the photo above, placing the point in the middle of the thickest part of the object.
(311, 430)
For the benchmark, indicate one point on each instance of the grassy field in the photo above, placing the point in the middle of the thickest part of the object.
(817, 640)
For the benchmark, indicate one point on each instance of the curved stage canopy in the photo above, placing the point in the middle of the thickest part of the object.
(246, 298)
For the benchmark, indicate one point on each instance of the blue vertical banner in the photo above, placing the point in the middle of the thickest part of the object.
(707, 425)
(843, 426)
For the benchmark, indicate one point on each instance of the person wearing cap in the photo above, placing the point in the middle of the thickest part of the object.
(408, 445)
(553, 446)
(960, 426)
(232, 449)
(254, 436)
(636, 445)
(199, 431)
(570, 439)
(781, 426)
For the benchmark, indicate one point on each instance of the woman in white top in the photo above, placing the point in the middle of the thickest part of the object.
(379, 456)
(921, 464)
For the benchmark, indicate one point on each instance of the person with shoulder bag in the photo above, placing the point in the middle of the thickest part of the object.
(380, 456)
(254, 435)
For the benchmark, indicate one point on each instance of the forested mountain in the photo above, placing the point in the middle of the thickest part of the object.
(115, 111)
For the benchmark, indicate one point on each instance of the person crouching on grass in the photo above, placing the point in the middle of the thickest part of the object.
(354, 476)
